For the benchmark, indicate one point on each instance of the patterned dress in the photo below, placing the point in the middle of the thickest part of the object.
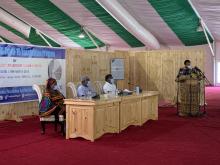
(187, 72)
(190, 91)
(52, 103)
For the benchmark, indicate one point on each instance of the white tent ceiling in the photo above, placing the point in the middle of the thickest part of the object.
(210, 13)
(150, 19)
(141, 10)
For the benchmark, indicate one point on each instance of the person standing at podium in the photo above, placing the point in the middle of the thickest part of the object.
(190, 92)
(187, 72)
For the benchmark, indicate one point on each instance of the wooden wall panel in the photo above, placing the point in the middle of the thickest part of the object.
(157, 70)
(141, 69)
(94, 64)
(152, 70)
(14, 111)
(168, 75)
(131, 82)
(123, 84)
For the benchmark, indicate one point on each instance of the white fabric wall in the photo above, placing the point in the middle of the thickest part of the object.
(209, 65)
(217, 52)
(217, 46)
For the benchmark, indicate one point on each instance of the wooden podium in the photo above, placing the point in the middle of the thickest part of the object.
(190, 96)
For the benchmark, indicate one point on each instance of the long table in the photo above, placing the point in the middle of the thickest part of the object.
(90, 119)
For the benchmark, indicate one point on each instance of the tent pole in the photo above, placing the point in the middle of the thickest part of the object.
(38, 32)
(207, 38)
(1, 39)
(91, 37)
(198, 15)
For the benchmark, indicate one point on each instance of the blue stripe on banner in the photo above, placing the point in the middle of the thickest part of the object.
(15, 94)
(7, 50)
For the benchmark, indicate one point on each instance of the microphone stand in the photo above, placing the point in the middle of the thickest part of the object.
(203, 76)
(190, 94)
(207, 81)
(177, 103)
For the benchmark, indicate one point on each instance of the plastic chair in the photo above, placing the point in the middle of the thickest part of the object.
(72, 86)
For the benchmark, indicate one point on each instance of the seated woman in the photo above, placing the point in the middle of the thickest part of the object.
(52, 100)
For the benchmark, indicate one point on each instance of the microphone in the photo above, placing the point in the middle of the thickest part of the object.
(200, 72)
(196, 68)
(131, 83)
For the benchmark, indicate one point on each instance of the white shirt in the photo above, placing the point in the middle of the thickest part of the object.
(109, 88)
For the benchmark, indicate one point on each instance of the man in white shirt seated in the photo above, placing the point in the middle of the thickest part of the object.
(109, 86)
(85, 89)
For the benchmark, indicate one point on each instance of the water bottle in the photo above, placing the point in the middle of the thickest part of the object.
(137, 90)
(116, 92)
(89, 94)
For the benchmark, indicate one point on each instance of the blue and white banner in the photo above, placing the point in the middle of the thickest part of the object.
(23, 66)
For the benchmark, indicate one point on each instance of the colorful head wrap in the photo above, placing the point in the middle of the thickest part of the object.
(50, 82)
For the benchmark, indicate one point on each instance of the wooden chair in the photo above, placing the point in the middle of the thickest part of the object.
(72, 86)
(50, 118)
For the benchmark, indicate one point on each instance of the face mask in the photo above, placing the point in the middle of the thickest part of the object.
(190, 67)
(89, 83)
(112, 81)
